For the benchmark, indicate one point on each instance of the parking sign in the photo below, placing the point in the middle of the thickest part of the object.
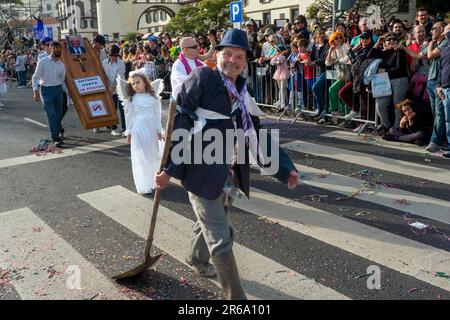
(236, 12)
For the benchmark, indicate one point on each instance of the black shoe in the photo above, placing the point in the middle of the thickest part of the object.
(58, 142)
(389, 137)
(61, 134)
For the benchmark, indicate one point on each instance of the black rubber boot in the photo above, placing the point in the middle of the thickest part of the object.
(228, 275)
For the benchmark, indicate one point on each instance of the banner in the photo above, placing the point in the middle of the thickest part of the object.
(38, 30)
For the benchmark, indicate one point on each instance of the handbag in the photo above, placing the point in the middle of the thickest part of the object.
(381, 85)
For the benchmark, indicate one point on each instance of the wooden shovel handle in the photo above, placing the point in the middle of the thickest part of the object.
(168, 142)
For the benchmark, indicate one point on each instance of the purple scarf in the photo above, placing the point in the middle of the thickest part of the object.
(250, 136)
(184, 61)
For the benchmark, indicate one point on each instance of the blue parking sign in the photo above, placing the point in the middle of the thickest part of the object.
(236, 12)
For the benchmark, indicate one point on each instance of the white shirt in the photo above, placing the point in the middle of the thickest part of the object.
(49, 73)
(113, 71)
(179, 75)
(265, 52)
(43, 55)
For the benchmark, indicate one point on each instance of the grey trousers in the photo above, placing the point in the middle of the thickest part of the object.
(399, 90)
(212, 234)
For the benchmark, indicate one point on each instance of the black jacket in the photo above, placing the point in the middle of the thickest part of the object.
(205, 88)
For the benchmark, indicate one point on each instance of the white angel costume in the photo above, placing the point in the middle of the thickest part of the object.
(143, 122)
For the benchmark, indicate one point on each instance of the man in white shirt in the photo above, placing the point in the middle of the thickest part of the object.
(49, 76)
(183, 66)
(114, 67)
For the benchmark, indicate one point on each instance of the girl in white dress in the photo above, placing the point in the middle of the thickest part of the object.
(142, 108)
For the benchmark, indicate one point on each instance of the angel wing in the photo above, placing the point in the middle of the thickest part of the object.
(122, 89)
(158, 86)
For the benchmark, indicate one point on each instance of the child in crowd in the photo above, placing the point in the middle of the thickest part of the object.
(415, 125)
(308, 70)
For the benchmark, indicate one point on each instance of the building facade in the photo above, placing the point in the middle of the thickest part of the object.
(268, 11)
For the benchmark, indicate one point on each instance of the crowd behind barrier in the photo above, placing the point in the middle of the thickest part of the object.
(360, 74)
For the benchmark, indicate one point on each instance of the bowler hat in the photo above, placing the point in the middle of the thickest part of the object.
(235, 38)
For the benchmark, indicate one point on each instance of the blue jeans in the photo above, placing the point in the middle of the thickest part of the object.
(319, 90)
(22, 75)
(437, 107)
(52, 98)
(446, 104)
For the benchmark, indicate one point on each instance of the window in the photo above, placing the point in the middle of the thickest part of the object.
(244, 3)
(266, 18)
(49, 7)
(163, 16)
(116, 35)
(148, 18)
(155, 16)
(403, 6)
(294, 13)
(282, 16)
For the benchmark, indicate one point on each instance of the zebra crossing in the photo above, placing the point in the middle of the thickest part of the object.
(316, 242)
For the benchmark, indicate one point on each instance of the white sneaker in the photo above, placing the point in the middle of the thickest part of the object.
(96, 130)
(116, 132)
(1, 104)
(353, 114)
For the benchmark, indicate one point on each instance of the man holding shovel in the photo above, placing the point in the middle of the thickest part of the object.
(218, 100)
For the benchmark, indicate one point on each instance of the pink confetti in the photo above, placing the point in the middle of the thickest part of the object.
(403, 202)
(182, 281)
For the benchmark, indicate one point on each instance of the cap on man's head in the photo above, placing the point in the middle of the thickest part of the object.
(269, 31)
(249, 23)
(152, 38)
(187, 42)
(366, 34)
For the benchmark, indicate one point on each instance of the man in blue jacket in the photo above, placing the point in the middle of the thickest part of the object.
(217, 99)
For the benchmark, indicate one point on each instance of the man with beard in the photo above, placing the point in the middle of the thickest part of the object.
(399, 30)
(216, 98)
(425, 21)
(50, 75)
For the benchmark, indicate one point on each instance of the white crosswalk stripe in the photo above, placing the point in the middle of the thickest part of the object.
(261, 277)
(369, 160)
(41, 265)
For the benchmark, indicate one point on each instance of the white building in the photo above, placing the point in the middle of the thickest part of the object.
(267, 11)
(116, 18)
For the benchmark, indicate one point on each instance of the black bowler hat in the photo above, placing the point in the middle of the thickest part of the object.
(235, 38)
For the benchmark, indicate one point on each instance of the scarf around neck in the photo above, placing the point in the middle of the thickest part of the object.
(187, 67)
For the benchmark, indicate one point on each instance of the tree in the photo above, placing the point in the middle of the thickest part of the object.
(11, 2)
(387, 8)
(201, 16)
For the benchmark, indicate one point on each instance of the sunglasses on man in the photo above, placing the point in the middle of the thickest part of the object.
(193, 47)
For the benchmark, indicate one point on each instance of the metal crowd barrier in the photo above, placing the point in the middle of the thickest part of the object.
(266, 93)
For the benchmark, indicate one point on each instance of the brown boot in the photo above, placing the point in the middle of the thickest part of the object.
(228, 275)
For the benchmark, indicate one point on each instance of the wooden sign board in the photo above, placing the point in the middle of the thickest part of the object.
(88, 87)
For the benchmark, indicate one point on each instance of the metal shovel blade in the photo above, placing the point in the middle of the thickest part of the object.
(139, 269)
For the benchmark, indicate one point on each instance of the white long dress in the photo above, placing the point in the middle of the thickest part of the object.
(143, 122)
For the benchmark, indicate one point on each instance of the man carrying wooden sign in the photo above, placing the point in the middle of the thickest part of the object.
(50, 75)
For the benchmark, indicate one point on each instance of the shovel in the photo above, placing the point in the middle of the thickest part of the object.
(149, 260)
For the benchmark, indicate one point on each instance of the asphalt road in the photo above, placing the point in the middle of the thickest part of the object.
(322, 231)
